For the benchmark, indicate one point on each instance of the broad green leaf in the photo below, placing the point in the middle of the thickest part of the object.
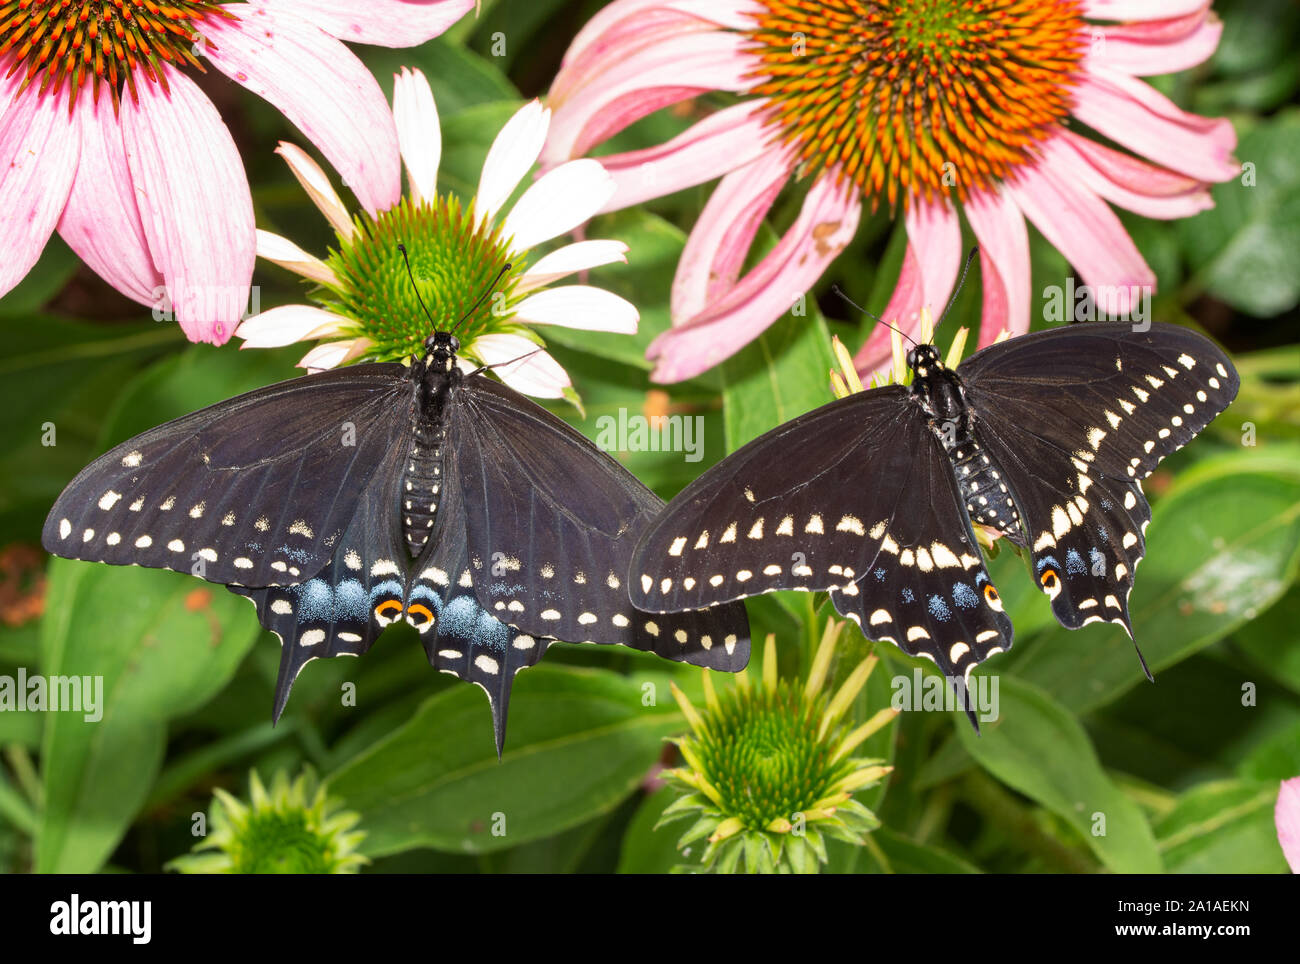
(1223, 546)
(902, 855)
(654, 247)
(57, 378)
(459, 77)
(162, 643)
(782, 374)
(1246, 249)
(650, 851)
(1038, 748)
(56, 266)
(578, 743)
(1223, 828)
(1270, 640)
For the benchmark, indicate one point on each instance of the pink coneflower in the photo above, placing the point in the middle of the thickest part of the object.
(365, 306)
(1286, 815)
(105, 136)
(931, 107)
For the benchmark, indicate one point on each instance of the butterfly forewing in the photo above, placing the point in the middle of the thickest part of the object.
(1076, 418)
(253, 491)
(856, 497)
(552, 523)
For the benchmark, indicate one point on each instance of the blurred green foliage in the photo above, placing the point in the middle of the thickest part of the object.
(1184, 772)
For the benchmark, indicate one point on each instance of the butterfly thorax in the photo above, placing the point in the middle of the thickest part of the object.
(424, 474)
(939, 392)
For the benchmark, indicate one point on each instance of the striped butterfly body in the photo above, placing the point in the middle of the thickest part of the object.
(344, 501)
(1045, 439)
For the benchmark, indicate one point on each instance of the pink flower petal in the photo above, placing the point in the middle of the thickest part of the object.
(39, 150)
(722, 142)
(1151, 191)
(1139, 9)
(1083, 227)
(513, 153)
(522, 365)
(1286, 815)
(559, 201)
(579, 306)
(1004, 263)
(385, 23)
(194, 204)
(571, 259)
(712, 60)
(320, 86)
(930, 265)
(318, 187)
(418, 132)
(620, 21)
(1158, 46)
(826, 223)
(1132, 113)
(101, 221)
(718, 244)
(287, 324)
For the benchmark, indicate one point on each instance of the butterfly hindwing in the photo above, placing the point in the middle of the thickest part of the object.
(341, 609)
(459, 636)
(552, 523)
(251, 491)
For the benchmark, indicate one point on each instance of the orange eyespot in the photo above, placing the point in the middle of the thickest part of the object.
(1048, 578)
(388, 607)
(990, 594)
(416, 609)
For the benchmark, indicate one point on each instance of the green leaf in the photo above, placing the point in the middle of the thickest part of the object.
(647, 850)
(903, 855)
(1246, 250)
(1223, 828)
(162, 644)
(1223, 546)
(1036, 747)
(579, 742)
(56, 380)
(782, 374)
(1270, 640)
(56, 266)
(460, 78)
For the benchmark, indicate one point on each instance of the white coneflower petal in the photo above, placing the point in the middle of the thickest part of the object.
(287, 324)
(522, 365)
(558, 202)
(512, 155)
(317, 185)
(579, 306)
(286, 254)
(419, 135)
(331, 354)
(570, 259)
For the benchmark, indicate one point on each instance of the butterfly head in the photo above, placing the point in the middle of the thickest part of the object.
(440, 351)
(923, 359)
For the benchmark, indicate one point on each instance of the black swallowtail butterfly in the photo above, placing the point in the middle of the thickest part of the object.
(481, 519)
(1045, 438)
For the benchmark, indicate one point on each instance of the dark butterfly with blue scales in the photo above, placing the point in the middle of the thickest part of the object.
(1044, 438)
(344, 501)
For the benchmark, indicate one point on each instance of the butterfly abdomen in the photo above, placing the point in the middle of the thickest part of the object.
(983, 487)
(422, 481)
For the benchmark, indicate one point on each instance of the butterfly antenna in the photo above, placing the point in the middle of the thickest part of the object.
(835, 288)
(484, 296)
(473, 308)
(508, 361)
(411, 274)
(956, 291)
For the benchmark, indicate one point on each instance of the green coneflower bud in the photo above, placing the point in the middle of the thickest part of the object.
(293, 829)
(770, 768)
